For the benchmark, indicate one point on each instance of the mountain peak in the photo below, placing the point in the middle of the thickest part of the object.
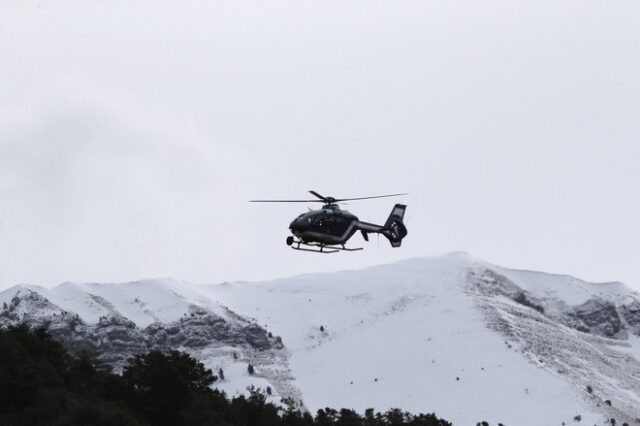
(405, 334)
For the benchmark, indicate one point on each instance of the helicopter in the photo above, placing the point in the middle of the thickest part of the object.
(327, 229)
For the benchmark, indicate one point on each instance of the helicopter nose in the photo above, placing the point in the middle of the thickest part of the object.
(298, 225)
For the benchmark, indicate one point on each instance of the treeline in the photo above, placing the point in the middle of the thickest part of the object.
(42, 384)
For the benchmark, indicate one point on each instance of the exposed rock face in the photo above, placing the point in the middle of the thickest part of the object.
(631, 315)
(522, 299)
(491, 283)
(202, 327)
(596, 316)
(114, 339)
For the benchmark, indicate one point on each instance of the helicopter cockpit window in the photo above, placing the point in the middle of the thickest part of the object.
(338, 225)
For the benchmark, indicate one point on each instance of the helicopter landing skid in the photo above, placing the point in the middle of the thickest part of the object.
(321, 248)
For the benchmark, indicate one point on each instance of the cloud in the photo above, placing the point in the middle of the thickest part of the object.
(88, 172)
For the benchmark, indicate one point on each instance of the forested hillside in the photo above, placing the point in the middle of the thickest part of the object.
(42, 384)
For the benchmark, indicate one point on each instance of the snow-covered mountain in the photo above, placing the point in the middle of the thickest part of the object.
(453, 335)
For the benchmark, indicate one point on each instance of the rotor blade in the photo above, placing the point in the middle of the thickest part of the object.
(286, 201)
(367, 198)
(323, 198)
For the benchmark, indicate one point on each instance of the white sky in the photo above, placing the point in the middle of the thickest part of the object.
(133, 133)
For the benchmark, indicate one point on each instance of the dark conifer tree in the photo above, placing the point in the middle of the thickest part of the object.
(41, 384)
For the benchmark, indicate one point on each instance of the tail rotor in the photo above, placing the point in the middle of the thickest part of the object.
(394, 228)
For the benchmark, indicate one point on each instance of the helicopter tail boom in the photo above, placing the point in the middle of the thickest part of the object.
(393, 229)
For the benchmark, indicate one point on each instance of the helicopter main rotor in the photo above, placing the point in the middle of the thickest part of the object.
(326, 200)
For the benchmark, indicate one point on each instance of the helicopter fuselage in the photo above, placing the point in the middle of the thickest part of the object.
(329, 225)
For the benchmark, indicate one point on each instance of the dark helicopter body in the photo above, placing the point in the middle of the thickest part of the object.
(329, 228)
(329, 225)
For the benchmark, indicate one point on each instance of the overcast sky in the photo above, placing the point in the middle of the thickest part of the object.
(133, 133)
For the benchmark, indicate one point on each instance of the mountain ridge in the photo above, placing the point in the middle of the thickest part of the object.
(437, 331)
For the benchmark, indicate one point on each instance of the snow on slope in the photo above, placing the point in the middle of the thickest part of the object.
(143, 302)
(453, 335)
(405, 335)
(570, 290)
(43, 309)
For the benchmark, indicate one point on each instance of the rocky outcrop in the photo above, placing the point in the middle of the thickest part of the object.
(202, 327)
(114, 339)
(630, 312)
(596, 316)
(490, 283)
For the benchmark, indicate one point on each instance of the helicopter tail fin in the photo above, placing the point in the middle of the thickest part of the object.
(394, 228)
